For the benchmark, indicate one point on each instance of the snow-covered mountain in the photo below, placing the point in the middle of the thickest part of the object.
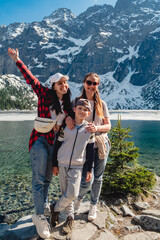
(16, 94)
(121, 44)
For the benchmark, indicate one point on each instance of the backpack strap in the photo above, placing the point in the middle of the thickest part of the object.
(93, 113)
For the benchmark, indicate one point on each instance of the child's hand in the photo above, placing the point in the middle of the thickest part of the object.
(14, 54)
(55, 171)
(88, 177)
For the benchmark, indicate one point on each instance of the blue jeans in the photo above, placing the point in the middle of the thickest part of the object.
(97, 178)
(41, 162)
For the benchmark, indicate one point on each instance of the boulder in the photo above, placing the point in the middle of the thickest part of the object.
(148, 222)
(141, 205)
(127, 211)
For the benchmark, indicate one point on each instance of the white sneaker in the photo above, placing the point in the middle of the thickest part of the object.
(77, 203)
(92, 213)
(42, 225)
(47, 209)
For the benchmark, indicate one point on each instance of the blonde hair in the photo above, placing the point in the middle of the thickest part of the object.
(97, 99)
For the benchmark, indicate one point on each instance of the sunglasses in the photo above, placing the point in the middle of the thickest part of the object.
(89, 83)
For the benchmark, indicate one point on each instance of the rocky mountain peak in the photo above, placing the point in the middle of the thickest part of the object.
(154, 5)
(62, 14)
(136, 5)
(122, 5)
(96, 11)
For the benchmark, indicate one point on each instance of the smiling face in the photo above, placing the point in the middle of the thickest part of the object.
(81, 112)
(61, 87)
(91, 85)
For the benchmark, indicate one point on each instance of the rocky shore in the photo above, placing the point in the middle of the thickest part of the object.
(16, 197)
(123, 218)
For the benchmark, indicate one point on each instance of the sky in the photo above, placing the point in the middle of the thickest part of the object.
(35, 10)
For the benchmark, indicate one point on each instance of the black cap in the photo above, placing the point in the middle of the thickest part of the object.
(83, 102)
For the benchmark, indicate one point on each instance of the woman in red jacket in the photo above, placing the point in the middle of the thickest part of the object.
(52, 101)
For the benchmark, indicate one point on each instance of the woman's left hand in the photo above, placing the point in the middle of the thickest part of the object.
(91, 127)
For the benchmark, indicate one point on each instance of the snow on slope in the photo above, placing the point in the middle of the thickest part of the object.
(71, 51)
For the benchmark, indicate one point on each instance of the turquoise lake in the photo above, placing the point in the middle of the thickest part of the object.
(14, 138)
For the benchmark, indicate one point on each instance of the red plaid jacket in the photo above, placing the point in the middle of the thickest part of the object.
(43, 110)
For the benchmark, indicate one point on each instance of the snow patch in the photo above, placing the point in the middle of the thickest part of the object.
(13, 31)
(116, 50)
(50, 45)
(79, 42)
(49, 33)
(91, 15)
(122, 95)
(40, 65)
(132, 52)
(105, 34)
(157, 30)
(68, 54)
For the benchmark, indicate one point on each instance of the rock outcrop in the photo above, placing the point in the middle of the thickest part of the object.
(125, 218)
(124, 225)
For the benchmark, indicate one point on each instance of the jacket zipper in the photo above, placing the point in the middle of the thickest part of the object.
(74, 145)
(73, 149)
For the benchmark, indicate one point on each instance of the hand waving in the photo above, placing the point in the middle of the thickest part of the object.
(14, 54)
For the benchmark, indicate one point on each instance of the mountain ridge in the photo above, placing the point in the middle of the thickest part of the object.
(121, 44)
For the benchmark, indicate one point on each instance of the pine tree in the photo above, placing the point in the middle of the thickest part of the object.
(122, 151)
(123, 174)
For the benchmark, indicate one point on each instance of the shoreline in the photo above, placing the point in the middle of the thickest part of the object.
(29, 115)
(145, 115)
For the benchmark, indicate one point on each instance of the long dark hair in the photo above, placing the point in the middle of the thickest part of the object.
(96, 97)
(53, 103)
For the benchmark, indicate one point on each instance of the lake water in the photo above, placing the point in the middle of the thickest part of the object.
(146, 136)
(15, 170)
(14, 138)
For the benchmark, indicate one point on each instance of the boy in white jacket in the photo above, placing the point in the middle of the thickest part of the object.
(71, 150)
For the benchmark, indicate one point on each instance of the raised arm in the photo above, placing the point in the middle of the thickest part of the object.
(30, 79)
